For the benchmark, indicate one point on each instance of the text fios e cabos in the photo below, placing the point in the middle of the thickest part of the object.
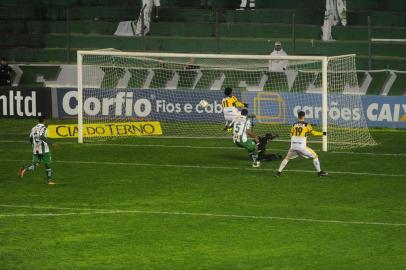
(123, 104)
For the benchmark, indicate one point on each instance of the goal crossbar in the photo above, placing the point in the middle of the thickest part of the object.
(201, 55)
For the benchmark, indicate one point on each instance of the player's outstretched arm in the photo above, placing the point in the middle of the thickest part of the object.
(240, 104)
(316, 133)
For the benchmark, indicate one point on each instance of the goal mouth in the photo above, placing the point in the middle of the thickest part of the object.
(129, 90)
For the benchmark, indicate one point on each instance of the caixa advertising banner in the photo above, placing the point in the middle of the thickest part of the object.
(343, 109)
(269, 107)
(18, 102)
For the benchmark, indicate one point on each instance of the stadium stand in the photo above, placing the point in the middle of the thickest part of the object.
(43, 30)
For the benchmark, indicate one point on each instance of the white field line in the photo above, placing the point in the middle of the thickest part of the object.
(91, 211)
(214, 147)
(205, 167)
(368, 154)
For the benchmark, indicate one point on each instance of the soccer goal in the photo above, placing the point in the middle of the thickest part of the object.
(126, 94)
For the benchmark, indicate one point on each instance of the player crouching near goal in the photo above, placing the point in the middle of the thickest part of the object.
(230, 106)
(40, 148)
(298, 133)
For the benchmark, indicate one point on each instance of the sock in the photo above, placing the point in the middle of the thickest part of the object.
(316, 163)
(254, 156)
(48, 172)
(30, 167)
(283, 165)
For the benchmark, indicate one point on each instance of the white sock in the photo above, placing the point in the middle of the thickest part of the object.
(283, 165)
(316, 164)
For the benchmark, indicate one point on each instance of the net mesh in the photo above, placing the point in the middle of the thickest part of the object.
(136, 95)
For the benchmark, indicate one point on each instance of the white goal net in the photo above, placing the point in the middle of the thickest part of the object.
(123, 94)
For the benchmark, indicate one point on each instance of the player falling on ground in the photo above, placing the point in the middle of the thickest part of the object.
(230, 106)
(242, 130)
(298, 133)
(40, 147)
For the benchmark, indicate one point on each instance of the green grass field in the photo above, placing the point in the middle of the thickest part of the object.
(159, 203)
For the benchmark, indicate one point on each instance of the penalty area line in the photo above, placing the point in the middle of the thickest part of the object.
(206, 167)
(176, 213)
(215, 147)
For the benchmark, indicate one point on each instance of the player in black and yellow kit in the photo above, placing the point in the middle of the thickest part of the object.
(299, 132)
(230, 106)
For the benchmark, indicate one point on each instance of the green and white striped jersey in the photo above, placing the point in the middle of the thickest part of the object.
(240, 126)
(38, 137)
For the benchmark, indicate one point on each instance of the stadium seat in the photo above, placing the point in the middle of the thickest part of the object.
(207, 79)
(186, 79)
(138, 77)
(31, 74)
(277, 82)
(399, 86)
(111, 77)
(377, 83)
(161, 78)
(305, 78)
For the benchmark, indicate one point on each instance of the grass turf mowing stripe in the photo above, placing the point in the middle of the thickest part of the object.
(117, 211)
(213, 147)
(205, 167)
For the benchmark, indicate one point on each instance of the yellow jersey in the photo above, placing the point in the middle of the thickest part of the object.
(299, 132)
(231, 101)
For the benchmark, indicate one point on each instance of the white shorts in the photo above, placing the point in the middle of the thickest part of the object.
(231, 113)
(156, 3)
(304, 152)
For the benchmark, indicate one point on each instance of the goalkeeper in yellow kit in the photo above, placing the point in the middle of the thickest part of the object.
(298, 133)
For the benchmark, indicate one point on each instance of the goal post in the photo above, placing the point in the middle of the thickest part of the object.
(126, 94)
(324, 102)
(80, 95)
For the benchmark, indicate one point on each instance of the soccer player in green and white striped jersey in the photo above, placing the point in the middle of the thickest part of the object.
(244, 137)
(40, 148)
